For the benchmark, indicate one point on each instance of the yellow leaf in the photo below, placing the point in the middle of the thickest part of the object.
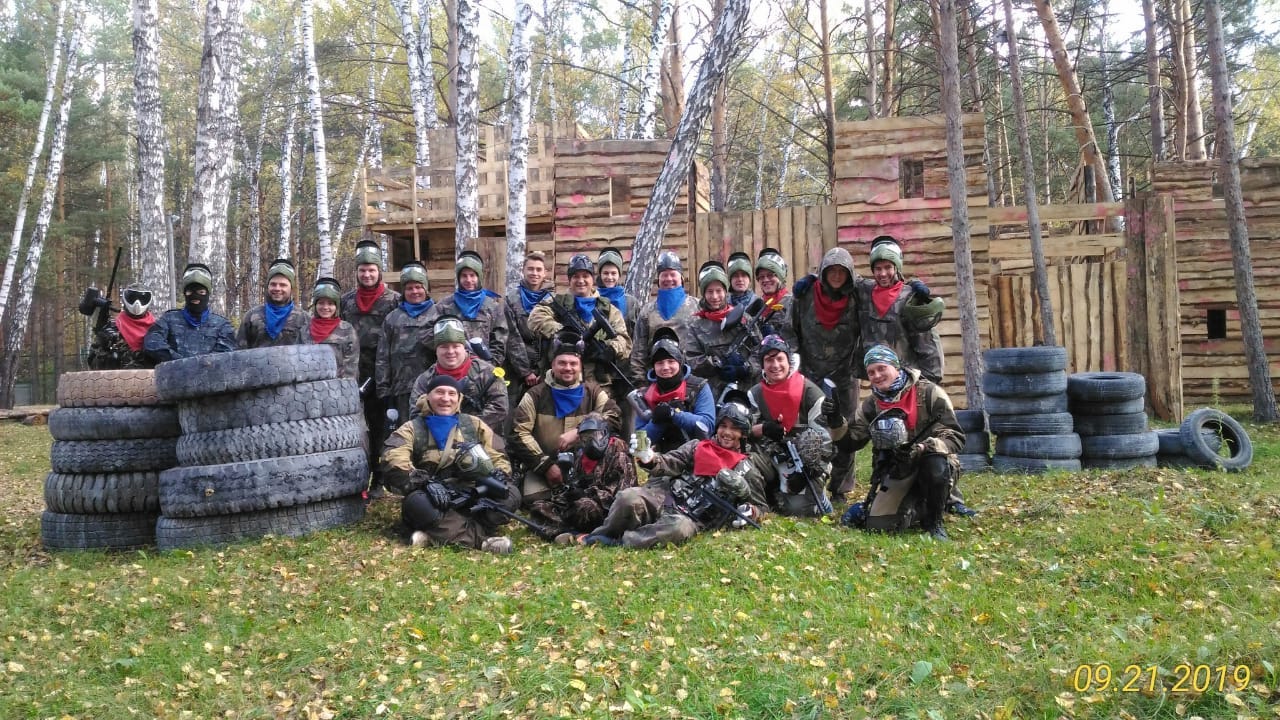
(417, 633)
(1233, 699)
(817, 662)
(726, 692)
(15, 667)
(578, 685)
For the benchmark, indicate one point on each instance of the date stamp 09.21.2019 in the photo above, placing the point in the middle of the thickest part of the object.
(1184, 678)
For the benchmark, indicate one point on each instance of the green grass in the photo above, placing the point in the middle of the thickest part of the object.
(800, 620)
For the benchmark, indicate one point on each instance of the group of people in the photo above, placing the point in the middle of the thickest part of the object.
(540, 405)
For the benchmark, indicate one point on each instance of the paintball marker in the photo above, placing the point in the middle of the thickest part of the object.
(636, 399)
(484, 498)
(94, 301)
(793, 467)
(700, 496)
(479, 349)
(750, 316)
(599, 324)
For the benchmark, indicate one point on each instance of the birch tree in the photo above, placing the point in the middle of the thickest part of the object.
(465, 174)
(1155, 102)
(1191, 75)
(719, 140)
(417, 93)
(286, 155)
(215, 141)
(156, 271)
(1264, 398)
(316, 104)
(721, 51)
(33, 164)
(647, 104)
(518, 154)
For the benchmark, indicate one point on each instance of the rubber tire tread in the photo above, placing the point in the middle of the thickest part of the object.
(1114, 407)
(1146, 461)
(242, 487)
(107, 388)
(297, 437)
(102, 493)
(1031, 424)
(1027, 405)
(1038, 359)
(1040, 447)
(1005, 464)
(1128, 424)
(114, 423)
(178, 533)
(118, 531)
(1233, 432)
(240, 370)
(1023, 385)
(304, 401)
(113, 456)
(1119, 447)
(1171, 441)
(1106, 386)
(976, 443)
(971, 420)
(971, 462)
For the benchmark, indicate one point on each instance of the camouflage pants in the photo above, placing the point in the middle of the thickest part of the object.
(559, 515)
(639, 517)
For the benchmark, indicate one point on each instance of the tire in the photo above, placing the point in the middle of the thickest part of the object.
(218, 373)
(1106, 386)
(1171, 441)
(1234, 439)
(107, 388)
(1040, 447)
(242, 487)
(176, 533)
(1128, 424)
(1027, 406)
(1119, 447)
(1035, 424)
(113, 456)
(298, 437)
(972, 463)
(1006, 464)
(1117, 407)
(1024, 385)
(114, 423)
(1181, 462)
(304, 401)
(101, 493)
(976, 443)
(971, 420)
(1039, 359)
(124, 531)
(1148, 461)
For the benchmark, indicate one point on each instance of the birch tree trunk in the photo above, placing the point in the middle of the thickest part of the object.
(719, 141)
(887, 105)
(650, 82)
(16, 325)
(1195, 115)
(215, 141)
(628, 73)
(466, 179)
(157, 269)
(316, 103)
(1155, 102)
(417, 93)
(453, 51)
(372, 136)
(286, 156)
(720, 53)
(33, 164)
(1264, 398)
(872, 97)
(426, 64)
(518, 154)
(1109, 108)
(828, 98)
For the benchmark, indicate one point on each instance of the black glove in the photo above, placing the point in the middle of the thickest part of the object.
(831, 409)
(772, 429)
(729, 373)
(918, 286)
(573, 493)
(662, 413)
(803, 284)
(735, 360)
(603, 352)
(440, 495)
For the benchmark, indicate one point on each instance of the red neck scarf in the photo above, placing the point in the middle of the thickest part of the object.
(776, 299)
(588, 465)
(652, 396)
(709, 458)
(321, 328)
(457, 373)
(828, 310)
(366, 297)
(907, 402)
(783, 400)
(714, 315)
(883, 297)
(132, 329)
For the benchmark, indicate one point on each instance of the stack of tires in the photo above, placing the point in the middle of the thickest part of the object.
(272, 444)
(976, 454)
(1026, 403)
(1111, 419)
(111, 439)
(1201, 440)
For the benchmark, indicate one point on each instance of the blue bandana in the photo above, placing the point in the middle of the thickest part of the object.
(616, 295)
(415, 309)
(743, 299)
(276, 315)
(586, 309)
(440, 427)
(566, 399)
(193, 322)
(669, 301)
(529, 298)
(894, 390)
(469, 301)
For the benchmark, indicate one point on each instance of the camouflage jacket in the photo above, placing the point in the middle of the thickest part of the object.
(932, 404)
(172, 337)
(544, 324)
(253, 329)
(489, 324)
(648, 321)
(368, 325)
(345, 344)
(411, 447)
(810, 413)
(403, 354)
(920, 350)
(825, 353)
(483, 393)
(678, 462)
(524, 347)
(536, 431)
(708, 347)
(615, 472)
(109, 351)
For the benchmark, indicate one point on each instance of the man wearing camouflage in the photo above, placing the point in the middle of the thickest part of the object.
(118, 345)
(721, 355)
(327, 328)
(771, 281)
(483, 393)
(898, 314)
(582, 305)
(479, 308)
(524, 348)
(277, 321)
(739, 271)
(672, 308)
(192, 329)
(593, 476)
(609, 283)
(402, 349)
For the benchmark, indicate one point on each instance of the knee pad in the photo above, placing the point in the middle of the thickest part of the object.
(935, 468)
(418, 512)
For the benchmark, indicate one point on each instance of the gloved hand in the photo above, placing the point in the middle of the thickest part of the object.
(772, 429)
(573, 493)
(831, 410)
(855, 516)
(440, 495)
(735, 360)
(803, 284)
(729, 373)
(603, 352)
(917, 285)
(420, 477)
(662, 413)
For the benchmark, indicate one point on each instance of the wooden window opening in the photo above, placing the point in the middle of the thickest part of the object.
(912, 174)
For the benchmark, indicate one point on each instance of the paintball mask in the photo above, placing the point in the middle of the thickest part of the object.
(889, 430)
(135, 300)
(474, 463)
(593, 433)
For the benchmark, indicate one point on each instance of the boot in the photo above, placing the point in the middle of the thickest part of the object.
(842, 479)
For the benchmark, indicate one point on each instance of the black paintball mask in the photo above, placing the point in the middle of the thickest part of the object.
(593, 433)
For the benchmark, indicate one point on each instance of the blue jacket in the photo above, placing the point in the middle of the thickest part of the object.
(695, 421)
(172, 337)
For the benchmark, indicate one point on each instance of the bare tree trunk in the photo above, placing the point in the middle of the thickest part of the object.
(828, 98)
(787, 154)
(286, 155)
(426, 61)
(546, 75)
(157, 257)
(627, 72)
(33, 164)
(1109, 108)
(1155, 102)
(316, 103)
(762, 127)
(1176, 25)
(452, 51)
(215, 141)
(518, 155)
(466, 178)
(417, 93)
(371, 136)
(1195, 116)
(870, 19)
(1264, 398)
(719, 140)
(888, 108)
(650, 83)
(722, 49)
(673, 74)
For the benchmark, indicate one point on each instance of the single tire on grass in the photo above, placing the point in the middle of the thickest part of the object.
(976, 443)
(1095, 463)
(107, 388)
(259, 442)
(175, 533)
(1117, 407)
(241, 487)
(286, 403)
(102, 493)
(1006, 464)
(970, 462)
(1119, 447)
(1024, 385)
(971, 420)
(1106, 386)
(114, 423)
(1027, 406)
(218, 373)
(1035, 424)
(1039, 359)
(1236, 442)
(113, 456)
(1043, 447)
(1129, 424)
(118, 531)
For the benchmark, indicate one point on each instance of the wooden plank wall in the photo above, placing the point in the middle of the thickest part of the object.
(800, 233)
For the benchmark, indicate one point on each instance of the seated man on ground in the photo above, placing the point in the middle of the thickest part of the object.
(593, 475)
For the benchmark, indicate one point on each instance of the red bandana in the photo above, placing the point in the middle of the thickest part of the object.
(589, 465)
(783, 400)
(321, 328)
(133, 329)
(709, 458)
(715, 315)
(457, 373)
(652, 396)
(774, 302)
(907, 402)
(883, 297)
(366, 297)
(826, 309)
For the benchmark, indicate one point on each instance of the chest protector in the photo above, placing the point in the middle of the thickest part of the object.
(423, 442)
